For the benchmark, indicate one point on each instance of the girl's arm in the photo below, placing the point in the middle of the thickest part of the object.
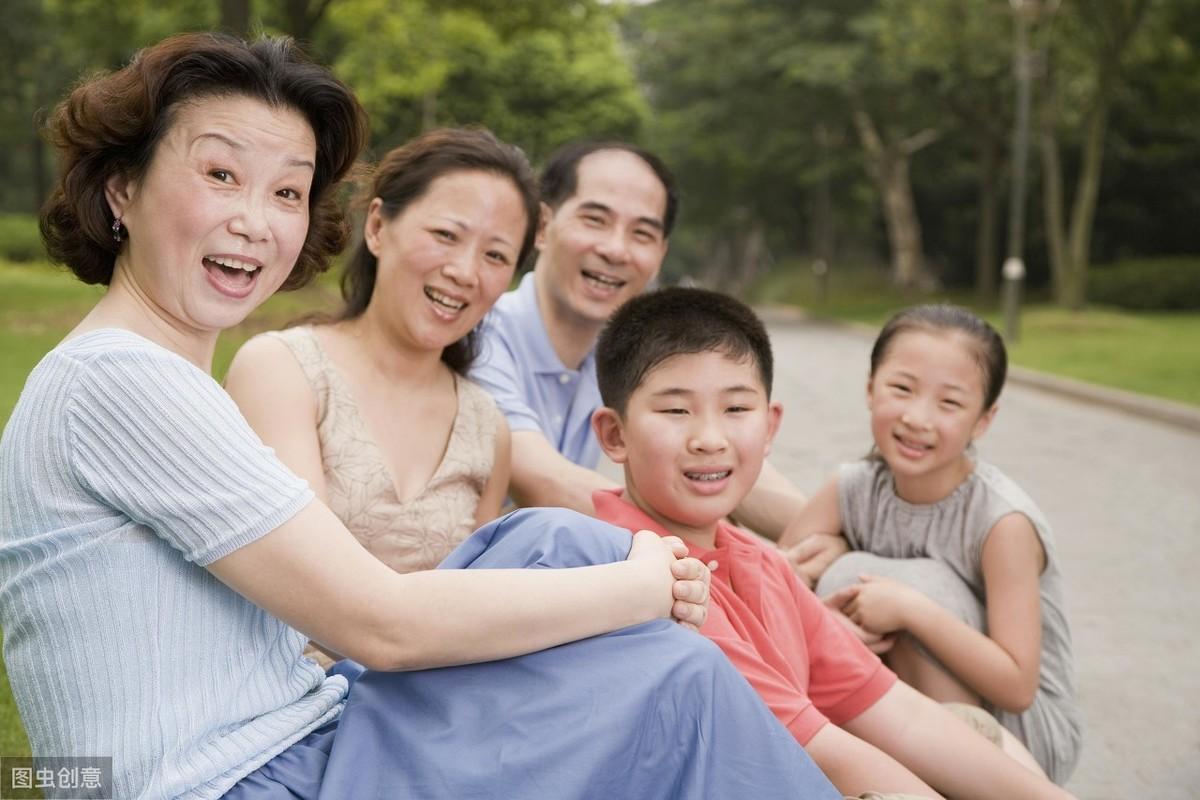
(1001, 666)
(496, 488)
(945, 751)
(356, 605)
(813, 539)
(270, 390)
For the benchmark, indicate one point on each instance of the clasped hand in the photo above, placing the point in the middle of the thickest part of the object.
(690, 578)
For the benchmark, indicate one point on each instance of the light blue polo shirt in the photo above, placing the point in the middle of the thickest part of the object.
(517, 365)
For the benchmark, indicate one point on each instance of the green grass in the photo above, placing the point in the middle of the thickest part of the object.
(39, 304)
(1152, 353)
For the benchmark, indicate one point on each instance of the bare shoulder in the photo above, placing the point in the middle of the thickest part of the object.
(1013, 543)
(266, 370)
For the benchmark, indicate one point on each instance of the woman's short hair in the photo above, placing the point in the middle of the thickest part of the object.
(112, 123)
(405, 175)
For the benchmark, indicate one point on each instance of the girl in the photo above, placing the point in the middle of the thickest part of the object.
(956, 580)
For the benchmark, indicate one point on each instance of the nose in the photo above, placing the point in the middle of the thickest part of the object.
(916, 416)
(250, 220)
(707, 435)
(460, 267)
(613, 247)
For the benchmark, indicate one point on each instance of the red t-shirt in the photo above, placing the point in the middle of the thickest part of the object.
(806, 666)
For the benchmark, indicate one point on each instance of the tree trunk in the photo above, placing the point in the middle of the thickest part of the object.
(1052, 192)
(750, 264)
(41, 178)
(989, 207)
(1083, 213)
(429, 104)
(235, 17)
(888, 164)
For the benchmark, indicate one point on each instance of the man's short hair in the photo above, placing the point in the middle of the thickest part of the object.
(560, 176)
(659, 325)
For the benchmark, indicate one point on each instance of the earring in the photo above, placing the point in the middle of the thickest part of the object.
(118, 231)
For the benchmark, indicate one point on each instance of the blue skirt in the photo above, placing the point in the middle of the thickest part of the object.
(651, 711)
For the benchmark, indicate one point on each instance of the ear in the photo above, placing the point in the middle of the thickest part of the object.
(373, 228)
(610, 433)
(984, 422)
(774, 420)
(118, 191)
(870, 392)
(545, 214)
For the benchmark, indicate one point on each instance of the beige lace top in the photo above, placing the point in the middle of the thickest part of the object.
(406, 535)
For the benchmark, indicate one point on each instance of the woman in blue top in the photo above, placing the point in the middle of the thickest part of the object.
(151, 546)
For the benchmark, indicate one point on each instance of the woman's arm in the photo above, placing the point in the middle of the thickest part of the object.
(354, 604)
(813, 540)
(1001, 666)
(496, 488)
(270, 390)
(945, 751)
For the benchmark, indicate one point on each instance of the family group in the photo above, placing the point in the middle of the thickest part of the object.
(378, 561)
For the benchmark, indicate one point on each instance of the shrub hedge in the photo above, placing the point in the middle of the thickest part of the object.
(1148, 284)
(19, 238)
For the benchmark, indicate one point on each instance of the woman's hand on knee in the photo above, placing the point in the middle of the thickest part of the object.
(689, 578)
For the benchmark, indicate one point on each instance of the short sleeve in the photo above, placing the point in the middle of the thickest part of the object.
(856, 501)
(845, 678)
(497, 371)
(793, 708)
(159, 441)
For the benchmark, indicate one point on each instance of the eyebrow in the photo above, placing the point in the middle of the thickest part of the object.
(593, 205)
(464, 226)
(673, 391)
(915, 379)
(235, 145)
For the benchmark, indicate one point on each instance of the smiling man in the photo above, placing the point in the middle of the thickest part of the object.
(606, 217)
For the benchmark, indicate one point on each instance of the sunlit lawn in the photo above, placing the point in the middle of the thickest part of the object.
(1152, 353)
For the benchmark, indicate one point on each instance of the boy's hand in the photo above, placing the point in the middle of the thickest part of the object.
(878, 605)
(811, 557)
(690, 577)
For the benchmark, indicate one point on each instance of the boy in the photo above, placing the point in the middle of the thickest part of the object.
(685, 377)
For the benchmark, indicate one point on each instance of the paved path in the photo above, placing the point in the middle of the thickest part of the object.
(1123, 496)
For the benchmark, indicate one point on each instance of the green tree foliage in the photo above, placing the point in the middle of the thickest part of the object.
(536, 79)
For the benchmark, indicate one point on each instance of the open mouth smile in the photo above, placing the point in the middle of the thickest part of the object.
(232, 275)
(602, 281)
(444, 300)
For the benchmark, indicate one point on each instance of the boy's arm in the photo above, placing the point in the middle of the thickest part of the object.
(813, 538)
(945, 751)
(541, 476)
(856, 766)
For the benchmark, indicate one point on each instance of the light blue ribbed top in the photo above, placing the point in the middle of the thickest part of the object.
(124, 470)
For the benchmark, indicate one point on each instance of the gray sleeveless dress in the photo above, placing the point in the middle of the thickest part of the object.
(938, 550)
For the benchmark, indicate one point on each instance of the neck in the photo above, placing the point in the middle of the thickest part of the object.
(125, 305)
(387, 354)
(933, 487)
(571, 336)
(703, 536)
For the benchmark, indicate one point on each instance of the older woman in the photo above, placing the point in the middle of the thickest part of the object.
(151, 545)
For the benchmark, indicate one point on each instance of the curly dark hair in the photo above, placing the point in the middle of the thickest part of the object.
(111, 124)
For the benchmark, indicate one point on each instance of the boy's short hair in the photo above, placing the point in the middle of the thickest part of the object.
(658, 325)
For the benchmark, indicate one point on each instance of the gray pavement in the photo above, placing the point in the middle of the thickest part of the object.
(1122, 493)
